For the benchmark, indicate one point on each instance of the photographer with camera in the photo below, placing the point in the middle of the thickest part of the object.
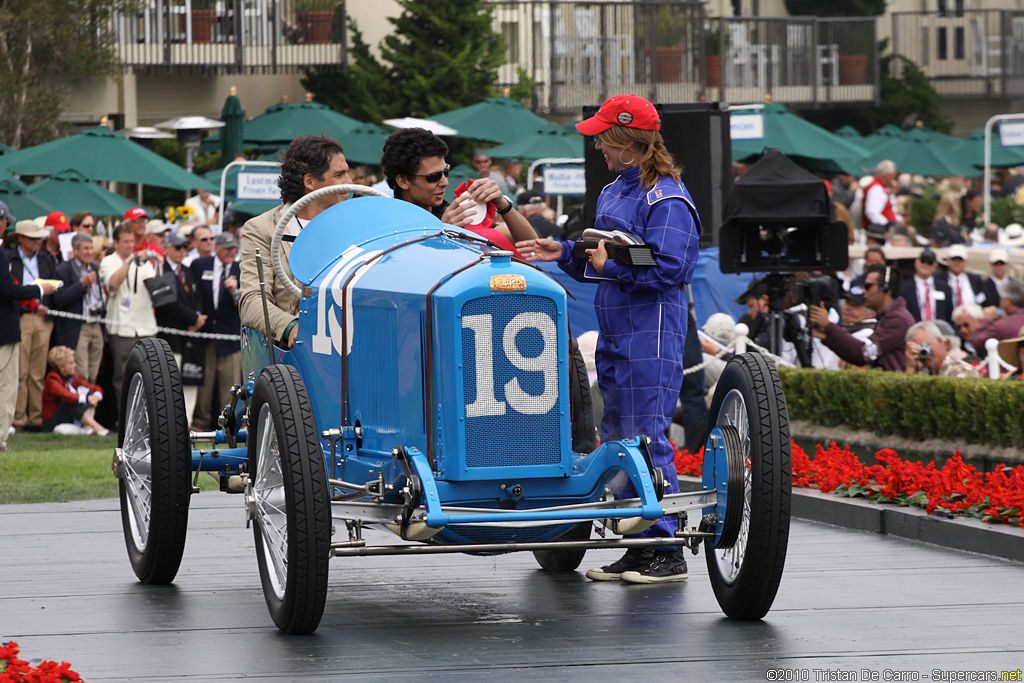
(928, 352)
(886, 347)
(81, 294)
(123, 274)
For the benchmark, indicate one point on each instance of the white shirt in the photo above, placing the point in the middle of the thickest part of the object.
(966, 291)
(204, 211)
(30, 272)
(919, 285)
(129, 308)
(874, 203)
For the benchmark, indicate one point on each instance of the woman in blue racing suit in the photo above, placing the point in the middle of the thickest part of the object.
(641, 310)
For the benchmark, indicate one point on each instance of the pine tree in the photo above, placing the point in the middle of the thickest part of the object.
(440, 56)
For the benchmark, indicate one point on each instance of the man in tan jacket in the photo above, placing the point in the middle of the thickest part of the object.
(309, 163)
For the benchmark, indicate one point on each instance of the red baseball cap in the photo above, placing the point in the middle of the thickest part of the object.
(58, 221)
(631, 111)
(134, 214)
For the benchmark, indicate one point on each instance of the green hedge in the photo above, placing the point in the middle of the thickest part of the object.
(979, 411)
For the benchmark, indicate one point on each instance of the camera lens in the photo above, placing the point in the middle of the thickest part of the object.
(924, 351)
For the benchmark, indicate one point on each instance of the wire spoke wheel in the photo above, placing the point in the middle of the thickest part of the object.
(155, 462)
(291, 506)
(750, 407)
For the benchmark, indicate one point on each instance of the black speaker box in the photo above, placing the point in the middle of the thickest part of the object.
(697, 135)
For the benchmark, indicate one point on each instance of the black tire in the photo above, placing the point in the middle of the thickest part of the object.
(746, 576)
(286, 461)
(584, 434)
(156, 462)
(565, 559)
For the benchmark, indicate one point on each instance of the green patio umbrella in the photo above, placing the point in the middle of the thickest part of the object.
(918, 154)
(70, 192)
(972, 149)
(282, 123)
(886, 135)
(364, 144)
(808, 145)
(101, 154)
(233, 117)
(546, 143)
(14, 194)
(499, 119)
(850, 133)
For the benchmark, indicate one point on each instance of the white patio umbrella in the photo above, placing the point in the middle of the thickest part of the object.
(413, 122)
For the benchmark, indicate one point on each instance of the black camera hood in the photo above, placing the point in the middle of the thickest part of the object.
(779, 218)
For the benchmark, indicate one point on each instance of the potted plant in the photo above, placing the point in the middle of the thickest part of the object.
(712, 57)
(314, 18)
(203, 17)
(666, 29)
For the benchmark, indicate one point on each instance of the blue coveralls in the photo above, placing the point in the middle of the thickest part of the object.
(642, 315)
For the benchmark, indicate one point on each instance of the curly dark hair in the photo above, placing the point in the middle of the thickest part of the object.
(306, 154)
(404, 151)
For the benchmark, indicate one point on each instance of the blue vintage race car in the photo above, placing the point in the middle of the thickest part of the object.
(434, 390)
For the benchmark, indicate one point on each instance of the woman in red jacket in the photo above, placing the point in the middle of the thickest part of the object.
(69, 402)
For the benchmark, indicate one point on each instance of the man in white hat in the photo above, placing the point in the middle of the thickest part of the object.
(998, 264)
(30, 262)
(156, 238)
(11, 293)
(1013, 236)
(967, 288)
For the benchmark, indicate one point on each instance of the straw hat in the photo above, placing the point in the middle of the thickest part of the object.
(1008, 349)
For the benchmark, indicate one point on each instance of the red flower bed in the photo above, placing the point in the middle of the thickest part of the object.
(957, 488)
(15, 670)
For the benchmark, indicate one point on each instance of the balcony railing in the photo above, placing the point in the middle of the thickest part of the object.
(582, 52)
(965, 54)
(231, 36)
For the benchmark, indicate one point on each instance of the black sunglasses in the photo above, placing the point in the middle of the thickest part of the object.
(435, 177)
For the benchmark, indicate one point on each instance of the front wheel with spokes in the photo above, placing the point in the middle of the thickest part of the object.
(155, 462)
(289, 501)
(749, 408)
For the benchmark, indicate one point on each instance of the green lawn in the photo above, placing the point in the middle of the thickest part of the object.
(50, 467)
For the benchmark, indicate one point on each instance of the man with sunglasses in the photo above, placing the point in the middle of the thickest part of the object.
(416, 170)
(310, 163)
(201, 239)
(886, 347)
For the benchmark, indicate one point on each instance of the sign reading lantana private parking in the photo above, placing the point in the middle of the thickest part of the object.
(258, 185)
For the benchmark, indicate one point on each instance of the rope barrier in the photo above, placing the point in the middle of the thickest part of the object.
(163, 330)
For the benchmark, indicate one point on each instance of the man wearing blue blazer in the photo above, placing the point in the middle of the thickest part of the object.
(217, 281)
(10, 331)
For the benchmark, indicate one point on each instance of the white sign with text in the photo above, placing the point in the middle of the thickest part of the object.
(258, 185)
(746, 126)
(1011, 134)
(570, 181)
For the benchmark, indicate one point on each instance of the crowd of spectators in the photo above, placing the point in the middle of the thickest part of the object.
(78, 302)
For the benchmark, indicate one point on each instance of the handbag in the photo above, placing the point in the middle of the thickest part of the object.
(193, 363)
(162, 289)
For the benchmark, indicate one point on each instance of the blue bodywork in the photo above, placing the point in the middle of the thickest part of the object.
(411, 338)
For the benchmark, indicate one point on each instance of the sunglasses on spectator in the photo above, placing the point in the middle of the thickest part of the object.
(204, 239)
(961, 326)
(435, 177)
(999, 263)
(88, 225)
(868, 285)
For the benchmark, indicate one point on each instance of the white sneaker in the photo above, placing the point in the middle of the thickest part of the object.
(12, 431)
(70, 429)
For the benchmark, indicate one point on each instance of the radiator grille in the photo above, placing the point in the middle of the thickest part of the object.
(510, 381)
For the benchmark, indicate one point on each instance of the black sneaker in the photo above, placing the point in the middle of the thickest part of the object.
(635, 558)
(664, 567)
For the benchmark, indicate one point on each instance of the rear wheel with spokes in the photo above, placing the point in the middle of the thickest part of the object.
(155, 462)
